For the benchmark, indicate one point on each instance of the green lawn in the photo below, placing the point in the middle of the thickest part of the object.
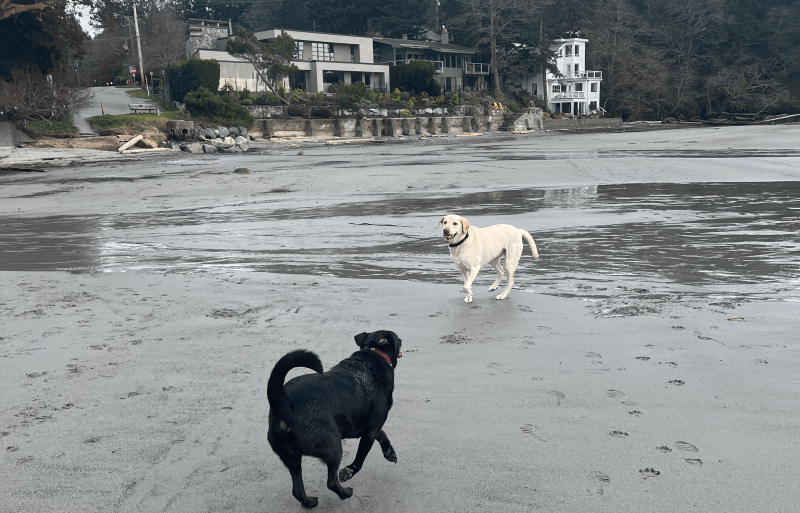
(53, 127)
(124, 120)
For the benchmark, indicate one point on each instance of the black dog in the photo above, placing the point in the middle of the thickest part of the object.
(311, 414)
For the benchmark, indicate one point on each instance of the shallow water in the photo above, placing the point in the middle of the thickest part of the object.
(731, 239)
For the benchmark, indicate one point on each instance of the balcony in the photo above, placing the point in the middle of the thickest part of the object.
(476, 68)
(584, 74)
(567, 95)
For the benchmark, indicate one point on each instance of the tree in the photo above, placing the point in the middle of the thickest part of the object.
(496, 25)
(9, 8)
(45, 39)
(272, 61)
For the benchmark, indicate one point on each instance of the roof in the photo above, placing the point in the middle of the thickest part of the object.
(424, 45)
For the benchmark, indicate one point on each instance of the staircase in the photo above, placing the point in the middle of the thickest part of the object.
(508, 124)
(526, 119)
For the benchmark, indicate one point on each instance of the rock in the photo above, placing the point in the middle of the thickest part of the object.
(229, 140)
(233, 149)
(243, 131)
(210, 148)
(192, 147)
(300, 153)
(147, 143)
(210, 133)
(233, 131)
(222, 131)
(240, 141)
(242, 170)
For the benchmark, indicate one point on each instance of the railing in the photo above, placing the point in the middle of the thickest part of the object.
(569, 94)
(584, 74)
(476, 68)
(438, 66)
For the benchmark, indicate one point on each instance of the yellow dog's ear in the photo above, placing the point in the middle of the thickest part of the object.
(464, 224)
(441, 221)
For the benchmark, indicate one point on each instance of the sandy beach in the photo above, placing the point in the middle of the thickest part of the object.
(646, 362)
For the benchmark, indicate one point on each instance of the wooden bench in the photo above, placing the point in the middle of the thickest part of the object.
(136, 107)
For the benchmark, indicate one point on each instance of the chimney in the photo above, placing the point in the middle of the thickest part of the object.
(445, 36)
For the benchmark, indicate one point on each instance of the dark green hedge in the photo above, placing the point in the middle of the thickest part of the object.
(219, 108)
(185, 77)
(415, 77)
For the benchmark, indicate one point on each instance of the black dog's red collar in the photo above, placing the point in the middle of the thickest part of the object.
(459, 242)
(385, 356)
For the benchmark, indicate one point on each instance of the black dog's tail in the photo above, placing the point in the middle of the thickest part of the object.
(279, 402)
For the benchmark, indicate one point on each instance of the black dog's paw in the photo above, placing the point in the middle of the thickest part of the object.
(346, 493)
(346, 473)
(390, 455)
(310, 503)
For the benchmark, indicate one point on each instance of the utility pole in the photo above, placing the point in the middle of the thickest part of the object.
(139, 46)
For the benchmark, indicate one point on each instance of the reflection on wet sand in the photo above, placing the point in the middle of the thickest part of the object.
(735, 237)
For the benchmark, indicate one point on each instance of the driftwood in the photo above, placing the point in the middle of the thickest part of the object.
(130, 143)
(144, 150)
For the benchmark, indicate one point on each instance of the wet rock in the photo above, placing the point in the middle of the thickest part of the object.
(242, 170)
(222, 131)
(233, 131)
(192, 147)
(300, 153)
(232, 149)
(210, 148)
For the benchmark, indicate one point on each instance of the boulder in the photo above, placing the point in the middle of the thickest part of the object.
(233, 131)
(241, 141)
(242, 170)
(242, 131)
(222, 131)
(210, 133)
(229, 140)
(210, 148)
(192, 147)
(232, 149)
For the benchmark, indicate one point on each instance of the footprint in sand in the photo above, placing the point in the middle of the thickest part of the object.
(649, 472)
(614, 393)
(619, 434)
(597, 480)
(528, 429)
(643, 358)
(635, 413)
(676, 382)
(592, 355)
(664, 449)
(687, 447)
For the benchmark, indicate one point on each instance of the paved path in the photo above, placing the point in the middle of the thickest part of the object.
(107, 100)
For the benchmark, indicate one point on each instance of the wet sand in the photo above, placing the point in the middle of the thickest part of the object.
(143, 387)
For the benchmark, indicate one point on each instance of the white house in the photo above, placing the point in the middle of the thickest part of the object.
(575, 90)
(322, 60)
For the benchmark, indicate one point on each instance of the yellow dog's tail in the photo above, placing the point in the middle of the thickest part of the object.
(527, 237)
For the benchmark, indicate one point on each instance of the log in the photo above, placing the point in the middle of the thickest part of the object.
(130, 143)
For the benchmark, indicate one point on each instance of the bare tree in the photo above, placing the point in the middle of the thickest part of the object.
(33, 96)
(164, 40)
(495, 23)
(272, 61)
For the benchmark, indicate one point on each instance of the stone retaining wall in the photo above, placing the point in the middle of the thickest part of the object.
(375, 127)
(581, 123)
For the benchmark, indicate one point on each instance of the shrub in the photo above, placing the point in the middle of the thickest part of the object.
(455, 99)
(188, 76)
(513, 106)
(247, 101)
(220, 109)
(268, 98)
(417, 76)
(396, 95)
(282, 91)
(349, 95)
(244, 94)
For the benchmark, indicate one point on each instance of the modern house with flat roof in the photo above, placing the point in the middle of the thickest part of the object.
(455, 65)
(322, 59)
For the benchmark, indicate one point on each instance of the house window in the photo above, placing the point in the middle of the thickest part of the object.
(579, 87)
(533, 90)
(569, 69)
(577, 50)
(352, 53)
(556, 88)
(594, 87)
(355, 77)
(298, 50)
(577, 68)
(568, 51)
(592, 106)
(322, 51)
(458, 61)
(332, 77)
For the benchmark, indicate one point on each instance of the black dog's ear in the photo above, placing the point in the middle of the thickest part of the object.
(361, 339)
